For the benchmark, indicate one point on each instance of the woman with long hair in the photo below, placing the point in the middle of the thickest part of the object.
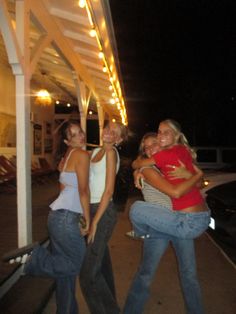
(154, 247)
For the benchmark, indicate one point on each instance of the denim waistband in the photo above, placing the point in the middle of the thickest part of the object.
(65, 211)
(202, 213)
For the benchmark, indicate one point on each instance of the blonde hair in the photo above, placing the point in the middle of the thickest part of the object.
(181, 138)
(141, 145)
(124, 131)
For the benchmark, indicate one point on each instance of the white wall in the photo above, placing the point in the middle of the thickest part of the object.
(42, 116)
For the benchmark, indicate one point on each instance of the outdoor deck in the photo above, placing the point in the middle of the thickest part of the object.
(217, 275)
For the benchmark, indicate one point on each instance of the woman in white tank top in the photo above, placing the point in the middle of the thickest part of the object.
(96, 278)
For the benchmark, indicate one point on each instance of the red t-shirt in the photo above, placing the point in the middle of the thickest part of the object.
(170, 157)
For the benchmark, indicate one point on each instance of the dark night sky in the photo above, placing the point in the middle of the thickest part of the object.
(178, 60)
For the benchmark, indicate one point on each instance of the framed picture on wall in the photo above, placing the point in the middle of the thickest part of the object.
(48, 137)
(37, 139)
(47, 145)
(48, 129)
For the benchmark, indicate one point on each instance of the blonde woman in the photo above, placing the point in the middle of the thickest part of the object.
(190, 216)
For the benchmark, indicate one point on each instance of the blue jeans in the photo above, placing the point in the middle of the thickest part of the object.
(153, 250)
(149, 218)
(65, 259)
(96, 277)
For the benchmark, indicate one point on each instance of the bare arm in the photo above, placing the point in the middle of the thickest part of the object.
(82, 172)
(139, 162)
(111, 160)
(174, 191)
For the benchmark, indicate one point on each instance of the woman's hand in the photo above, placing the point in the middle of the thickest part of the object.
(92, 232)
(83, 225)
(138, 178)
(179, 172)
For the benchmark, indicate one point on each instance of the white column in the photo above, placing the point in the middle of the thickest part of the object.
(100, 122)
(23, 149)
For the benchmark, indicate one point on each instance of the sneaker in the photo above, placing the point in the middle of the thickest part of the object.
(131, 234)
(20, 255)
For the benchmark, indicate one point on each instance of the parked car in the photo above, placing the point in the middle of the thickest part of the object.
(221, 199)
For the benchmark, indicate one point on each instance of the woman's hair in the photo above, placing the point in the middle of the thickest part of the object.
(124, 132)
(141, 145)
(176, 127)
(68, 132)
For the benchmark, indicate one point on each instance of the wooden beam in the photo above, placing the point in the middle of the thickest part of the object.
(37, 51)
(76, 18)
(80, 37)
(64, 46)
(13, 49)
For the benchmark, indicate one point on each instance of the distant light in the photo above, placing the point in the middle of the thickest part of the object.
(113, 120)
(110, 87)
(57, 102)
(68, 105)
(205, 183)
(90, 112)
(104, 69)
(112, 101)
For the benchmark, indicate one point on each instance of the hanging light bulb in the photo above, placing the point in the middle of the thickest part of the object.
(82, 3)
(101, 55)
(43, 98)
(93, 32)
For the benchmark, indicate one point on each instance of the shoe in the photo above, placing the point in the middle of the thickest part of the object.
(133, 235)
(20, 255)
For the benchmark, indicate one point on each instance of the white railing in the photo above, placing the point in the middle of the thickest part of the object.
(215, 157)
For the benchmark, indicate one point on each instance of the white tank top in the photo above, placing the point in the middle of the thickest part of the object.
(97, 176)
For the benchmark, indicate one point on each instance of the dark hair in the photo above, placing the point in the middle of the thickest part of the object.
(70, 123)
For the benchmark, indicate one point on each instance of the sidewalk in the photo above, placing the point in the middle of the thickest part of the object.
(217, 275)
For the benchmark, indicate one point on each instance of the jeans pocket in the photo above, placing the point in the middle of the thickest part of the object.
(197, 224)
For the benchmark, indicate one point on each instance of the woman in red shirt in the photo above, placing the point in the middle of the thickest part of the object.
(190, 216)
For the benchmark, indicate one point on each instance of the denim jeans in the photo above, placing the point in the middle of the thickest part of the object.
(148, 218)
(153, 250)
(96, 277)
(64, 260)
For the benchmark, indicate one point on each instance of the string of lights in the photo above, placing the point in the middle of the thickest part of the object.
(114, 87)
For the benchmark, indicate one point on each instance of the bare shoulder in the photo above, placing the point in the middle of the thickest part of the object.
(80, 154)
(110, 152)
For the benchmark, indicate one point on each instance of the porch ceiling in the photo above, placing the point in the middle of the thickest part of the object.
(63, 28)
